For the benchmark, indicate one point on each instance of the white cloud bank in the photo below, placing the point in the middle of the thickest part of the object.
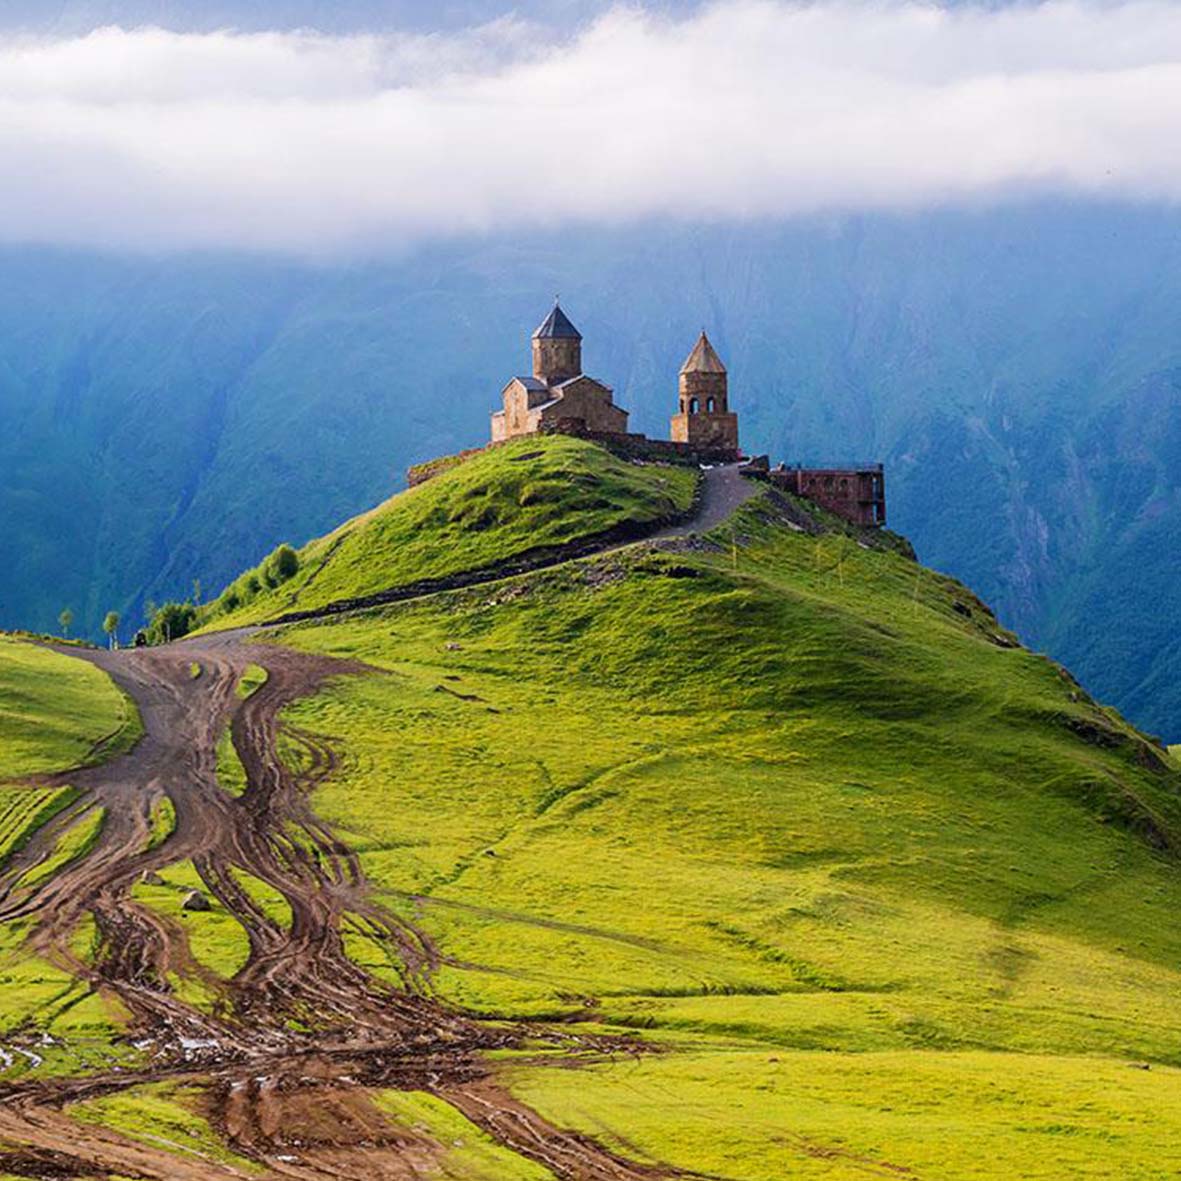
(751, 108)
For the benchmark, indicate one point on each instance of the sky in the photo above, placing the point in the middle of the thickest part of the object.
(308, 143)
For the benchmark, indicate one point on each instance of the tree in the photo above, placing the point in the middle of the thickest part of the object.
(111, 627)
(66, 620)
(170, 622)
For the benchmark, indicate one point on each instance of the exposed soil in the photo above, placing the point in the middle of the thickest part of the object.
(292, 1048)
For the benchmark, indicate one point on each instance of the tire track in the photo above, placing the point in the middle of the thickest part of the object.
(291, 1049)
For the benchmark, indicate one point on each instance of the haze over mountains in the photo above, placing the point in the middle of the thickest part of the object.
(170, 417)
(1019, 372)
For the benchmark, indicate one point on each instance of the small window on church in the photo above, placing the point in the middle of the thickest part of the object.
(694, 406)
(709, 405)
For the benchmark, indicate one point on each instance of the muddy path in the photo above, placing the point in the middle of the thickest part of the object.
(290, 1051)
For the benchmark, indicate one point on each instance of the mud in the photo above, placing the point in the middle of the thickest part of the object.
(291, 1050)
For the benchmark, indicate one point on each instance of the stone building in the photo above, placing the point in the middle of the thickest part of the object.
(558, 396)
(705, 418)
(856, 493)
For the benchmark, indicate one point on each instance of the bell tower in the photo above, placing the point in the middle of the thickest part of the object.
(704, 417)
(557, 348)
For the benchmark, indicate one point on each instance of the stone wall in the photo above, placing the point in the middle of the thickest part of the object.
(641, 447)
(706, 429)
(556, 359)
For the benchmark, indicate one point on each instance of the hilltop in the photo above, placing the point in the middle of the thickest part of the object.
(531, 499)
(752, 852)
(172, 419)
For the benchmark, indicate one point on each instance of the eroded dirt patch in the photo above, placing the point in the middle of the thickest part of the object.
(290, 1050)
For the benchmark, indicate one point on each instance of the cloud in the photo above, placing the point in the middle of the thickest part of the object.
(747, 109)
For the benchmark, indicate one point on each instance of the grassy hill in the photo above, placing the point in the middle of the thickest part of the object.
(891, 893)
(507, 502)
(878, 891)
(55, 712)
(171, 418)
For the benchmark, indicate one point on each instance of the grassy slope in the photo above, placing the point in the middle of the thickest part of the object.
(802, 821)
(55, 713)
(514, 498)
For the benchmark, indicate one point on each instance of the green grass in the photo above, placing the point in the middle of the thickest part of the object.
(535, 492)
(57, 712)
(23, 810)
(231, 774)
(164, 1115)
(77, 840)
(217, 941)
(251, 681)
(762, 1115)
(470, 1155)
(881, 893)
(163, 822)
(807, 806)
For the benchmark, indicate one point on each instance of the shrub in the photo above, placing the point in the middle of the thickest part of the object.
(281, 565)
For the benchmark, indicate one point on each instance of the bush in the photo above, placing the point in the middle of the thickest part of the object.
(281, 565)
(170, 622)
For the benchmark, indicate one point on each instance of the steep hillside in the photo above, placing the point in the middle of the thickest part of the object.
(766, 853)
(55, 712)
(503, 505)
(893, 889)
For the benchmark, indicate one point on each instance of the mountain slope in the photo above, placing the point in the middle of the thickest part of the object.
(175, 419)
(520, 499)
(797, 812)
(762, 854)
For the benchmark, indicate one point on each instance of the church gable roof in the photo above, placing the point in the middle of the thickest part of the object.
(703, 358)
(593, 382)
(557, 326)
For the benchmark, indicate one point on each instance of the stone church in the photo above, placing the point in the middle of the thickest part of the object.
(558, 395)
(559, 398)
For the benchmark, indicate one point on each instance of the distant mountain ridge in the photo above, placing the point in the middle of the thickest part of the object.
(1018, 370)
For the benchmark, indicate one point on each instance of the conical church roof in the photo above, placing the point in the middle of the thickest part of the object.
(703, 359)
(557, 326)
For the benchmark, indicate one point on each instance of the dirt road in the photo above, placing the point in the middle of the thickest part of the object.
(294, 1046)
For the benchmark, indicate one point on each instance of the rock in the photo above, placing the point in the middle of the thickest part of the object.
(195, 900)
(149, 878)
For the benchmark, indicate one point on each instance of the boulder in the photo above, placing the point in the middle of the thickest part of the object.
(195, 900)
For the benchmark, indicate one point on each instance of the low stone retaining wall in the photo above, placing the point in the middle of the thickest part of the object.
(625, 446)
